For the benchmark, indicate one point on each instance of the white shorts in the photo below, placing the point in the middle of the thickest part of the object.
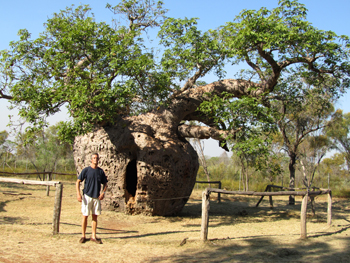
(90, 204)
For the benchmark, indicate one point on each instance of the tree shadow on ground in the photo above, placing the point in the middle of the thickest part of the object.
(238, 210)
(11, 187)
(11, 220)
(8, 219)
(259, 250)
(151, 234)
(3, 204)
(101, 230)
(243, 210)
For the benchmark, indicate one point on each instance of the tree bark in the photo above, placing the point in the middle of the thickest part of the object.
(292, 162)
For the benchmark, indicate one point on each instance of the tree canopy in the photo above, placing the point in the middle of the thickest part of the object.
(102, 72)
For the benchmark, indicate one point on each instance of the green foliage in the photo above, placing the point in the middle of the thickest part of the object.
(338, 131)
(344, 193)
(188, 50)
(6, 146)
(96, 70)
(301, 105)
(102, 72)
(248, 116)
(3, 136)
(228, 172)
(284, 33)
(270, 166)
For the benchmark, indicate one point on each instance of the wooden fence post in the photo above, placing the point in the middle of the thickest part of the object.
(205, 214)
(57, 209)
(303, 234)
(219, 195)
(329, 209)
(47, 187)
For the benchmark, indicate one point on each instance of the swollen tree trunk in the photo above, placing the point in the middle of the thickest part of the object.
(150, 168)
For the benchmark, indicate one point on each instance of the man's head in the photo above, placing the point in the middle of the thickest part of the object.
(94, 158)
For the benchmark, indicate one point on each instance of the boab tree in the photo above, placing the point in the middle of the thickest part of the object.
(132, 106)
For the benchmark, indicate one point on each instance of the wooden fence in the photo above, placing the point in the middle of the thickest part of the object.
(212, 182)
(304, 194)
(58, 197)
(48, 177)
(43, 173)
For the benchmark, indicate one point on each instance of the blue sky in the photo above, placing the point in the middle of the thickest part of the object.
(19, 14)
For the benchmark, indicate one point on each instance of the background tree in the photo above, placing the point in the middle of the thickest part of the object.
(312, 151)
(336, 175)
(45, 150)
(199, 147)
(338, 130)
(270, 164)
(132, 106)
(301, 109)
(3, 137)
(7, 149)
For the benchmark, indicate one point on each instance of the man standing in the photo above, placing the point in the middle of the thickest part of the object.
(93, 176)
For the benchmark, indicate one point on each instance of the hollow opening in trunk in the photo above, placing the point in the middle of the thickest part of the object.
(131, 178)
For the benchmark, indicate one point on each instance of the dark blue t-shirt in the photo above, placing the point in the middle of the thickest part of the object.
(93, 180)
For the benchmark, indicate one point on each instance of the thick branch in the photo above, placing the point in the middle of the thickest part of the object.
(203, 132)
(199, 116)
(236, 87)
(255, 67)
(4, 96)
(82, 64)
(309, 61)
(188, 102)
(272, 81)
(190, 82)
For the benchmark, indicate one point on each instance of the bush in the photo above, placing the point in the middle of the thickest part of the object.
(343, 193)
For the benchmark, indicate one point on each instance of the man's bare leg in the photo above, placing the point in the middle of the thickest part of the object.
(83, 225)
(94, 226)
(83, 229)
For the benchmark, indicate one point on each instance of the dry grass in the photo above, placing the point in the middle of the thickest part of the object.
(239, 231)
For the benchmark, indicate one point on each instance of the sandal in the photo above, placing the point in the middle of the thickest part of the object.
(97, 240)
(82, 240)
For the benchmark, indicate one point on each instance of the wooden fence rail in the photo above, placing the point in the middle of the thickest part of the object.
(36, 173)
(58, 197)
(304, 194)
(271, 186)
(48, 177)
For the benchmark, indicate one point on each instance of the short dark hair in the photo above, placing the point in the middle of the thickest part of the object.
(95, 154)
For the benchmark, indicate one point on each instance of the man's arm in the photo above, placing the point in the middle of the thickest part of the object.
(102, 195)
(77, 187)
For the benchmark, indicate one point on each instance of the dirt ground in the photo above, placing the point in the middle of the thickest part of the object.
(238, 231)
